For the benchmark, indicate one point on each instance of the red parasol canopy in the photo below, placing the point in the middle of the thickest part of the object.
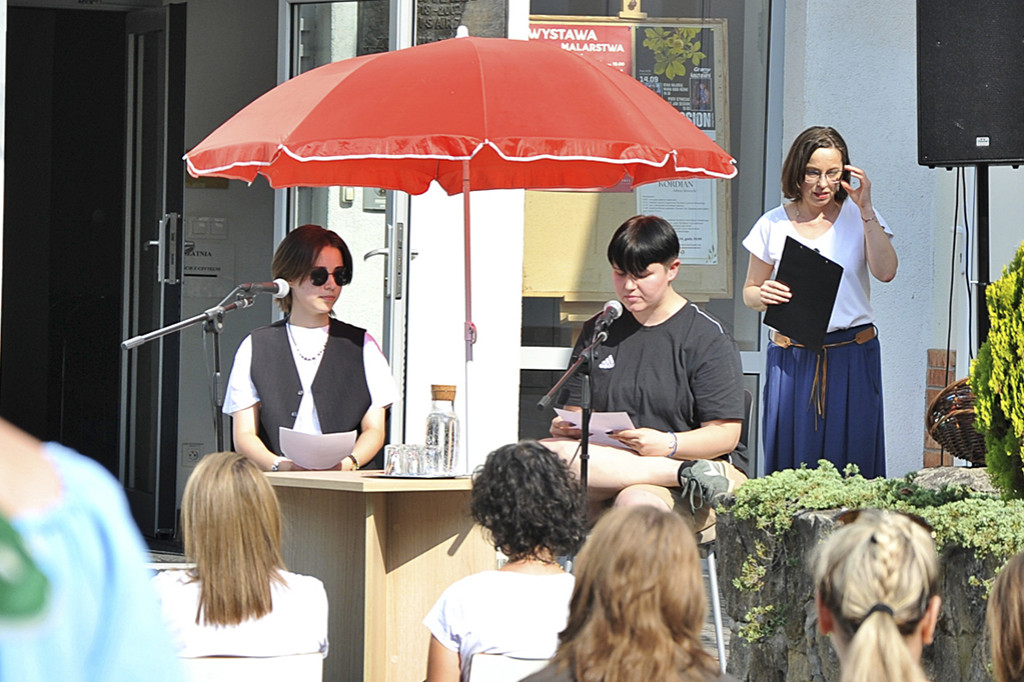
(524, 114)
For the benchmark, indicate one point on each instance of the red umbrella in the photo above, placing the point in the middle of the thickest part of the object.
(469, 113)
(524, 114)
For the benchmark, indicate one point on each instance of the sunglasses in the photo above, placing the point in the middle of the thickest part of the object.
(851, 515)
(318, 276)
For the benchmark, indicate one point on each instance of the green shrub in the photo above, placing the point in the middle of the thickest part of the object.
(997, 380)
(978, 521)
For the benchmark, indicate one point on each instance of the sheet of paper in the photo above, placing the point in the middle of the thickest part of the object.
(315, 450)
(600, 424)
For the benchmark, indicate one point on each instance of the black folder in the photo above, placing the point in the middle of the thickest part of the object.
(814, 281)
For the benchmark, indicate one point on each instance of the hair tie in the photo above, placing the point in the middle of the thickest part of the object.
(884, 608)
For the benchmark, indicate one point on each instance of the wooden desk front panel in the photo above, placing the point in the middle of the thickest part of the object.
(384, 558)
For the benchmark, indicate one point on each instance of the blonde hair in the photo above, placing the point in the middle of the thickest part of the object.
(882, 562)
(1005, 619)
(638, 605)
(231, 522)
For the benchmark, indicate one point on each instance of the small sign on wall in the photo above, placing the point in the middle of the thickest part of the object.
(209, 269)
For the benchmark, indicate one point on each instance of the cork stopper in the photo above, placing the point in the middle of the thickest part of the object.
(442, 392)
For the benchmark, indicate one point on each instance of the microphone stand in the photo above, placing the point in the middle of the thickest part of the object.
(582, 367)
(213, 322)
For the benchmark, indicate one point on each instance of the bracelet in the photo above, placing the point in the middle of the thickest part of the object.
(355, 462)
(873, 218)
(276, 466)
(675, 444)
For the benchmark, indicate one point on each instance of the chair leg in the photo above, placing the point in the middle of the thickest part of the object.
(716, 606)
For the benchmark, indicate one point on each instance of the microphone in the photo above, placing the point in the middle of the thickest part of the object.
(279, 288)
(611, 312)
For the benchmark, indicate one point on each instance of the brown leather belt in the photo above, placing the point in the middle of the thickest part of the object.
(862, 337)
(821, 364)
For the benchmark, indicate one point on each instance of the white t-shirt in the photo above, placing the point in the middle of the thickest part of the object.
(843, 243)
(297, 624)
(502, 612)
(241, 392)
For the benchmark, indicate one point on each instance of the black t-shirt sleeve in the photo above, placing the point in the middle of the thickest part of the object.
(716, 380)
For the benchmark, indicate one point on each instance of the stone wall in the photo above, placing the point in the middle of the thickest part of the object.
(779, 607)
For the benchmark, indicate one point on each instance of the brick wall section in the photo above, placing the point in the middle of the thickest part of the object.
(937, 380)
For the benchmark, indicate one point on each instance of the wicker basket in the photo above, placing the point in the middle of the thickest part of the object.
(950, 421)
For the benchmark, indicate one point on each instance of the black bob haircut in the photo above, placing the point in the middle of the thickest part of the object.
(641, 241)
(527, 499)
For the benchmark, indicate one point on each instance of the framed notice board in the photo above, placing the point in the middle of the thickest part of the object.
(566, 233)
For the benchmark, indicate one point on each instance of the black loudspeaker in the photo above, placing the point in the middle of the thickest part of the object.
(970, 82)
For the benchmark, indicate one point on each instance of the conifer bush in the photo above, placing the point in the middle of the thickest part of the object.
(997, 380)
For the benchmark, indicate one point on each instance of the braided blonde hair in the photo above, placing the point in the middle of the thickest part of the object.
(876, 576)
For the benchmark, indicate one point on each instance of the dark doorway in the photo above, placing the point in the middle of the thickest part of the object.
(63, 227)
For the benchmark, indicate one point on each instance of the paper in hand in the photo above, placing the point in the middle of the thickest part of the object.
(814, 281)
(316, 450)
(600, 424)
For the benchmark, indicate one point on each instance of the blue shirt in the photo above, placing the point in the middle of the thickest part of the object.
(103, 621)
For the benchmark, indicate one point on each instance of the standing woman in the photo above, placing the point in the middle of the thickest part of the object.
(309, 372)
(827, 406)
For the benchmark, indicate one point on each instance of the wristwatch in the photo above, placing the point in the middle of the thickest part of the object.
(355, 462)
(277, 464)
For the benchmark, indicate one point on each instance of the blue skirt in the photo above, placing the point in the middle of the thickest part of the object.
(849, 428)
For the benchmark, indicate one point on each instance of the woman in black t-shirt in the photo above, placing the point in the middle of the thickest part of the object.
(668, 364)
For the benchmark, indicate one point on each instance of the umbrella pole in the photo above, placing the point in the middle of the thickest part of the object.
(470, 328)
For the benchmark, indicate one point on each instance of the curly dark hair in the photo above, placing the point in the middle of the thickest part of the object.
(527, 498)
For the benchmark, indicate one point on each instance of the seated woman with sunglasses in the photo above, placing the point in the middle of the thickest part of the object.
(309, 372)
(877, 578)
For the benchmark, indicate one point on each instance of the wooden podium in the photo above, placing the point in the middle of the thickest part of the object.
(385, 549)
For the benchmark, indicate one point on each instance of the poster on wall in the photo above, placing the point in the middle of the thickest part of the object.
(683, 60)
(612, 45)
(676, 62)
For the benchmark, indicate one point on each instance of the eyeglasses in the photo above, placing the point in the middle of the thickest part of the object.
(812, 175)
(851, 515)
(318, 276)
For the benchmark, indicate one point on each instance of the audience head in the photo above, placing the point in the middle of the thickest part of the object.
(638, 605)
(297, 253)
(1005, 618)
(877, 582)
(529, 501)
(794, 168)
(231, 521)
(641, 241)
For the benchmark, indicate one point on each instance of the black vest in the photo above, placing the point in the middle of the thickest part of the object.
(340, 392)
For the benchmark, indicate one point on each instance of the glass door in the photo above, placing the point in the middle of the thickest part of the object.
(152, 262)
(373, 222)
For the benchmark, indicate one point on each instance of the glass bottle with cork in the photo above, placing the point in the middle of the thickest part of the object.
(443, 430)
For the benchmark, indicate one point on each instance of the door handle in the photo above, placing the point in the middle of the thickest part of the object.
(386, 252)
(166, 245)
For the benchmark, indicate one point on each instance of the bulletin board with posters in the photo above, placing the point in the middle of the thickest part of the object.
(684, 61)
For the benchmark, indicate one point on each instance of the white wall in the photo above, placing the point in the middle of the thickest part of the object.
(436, 348)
